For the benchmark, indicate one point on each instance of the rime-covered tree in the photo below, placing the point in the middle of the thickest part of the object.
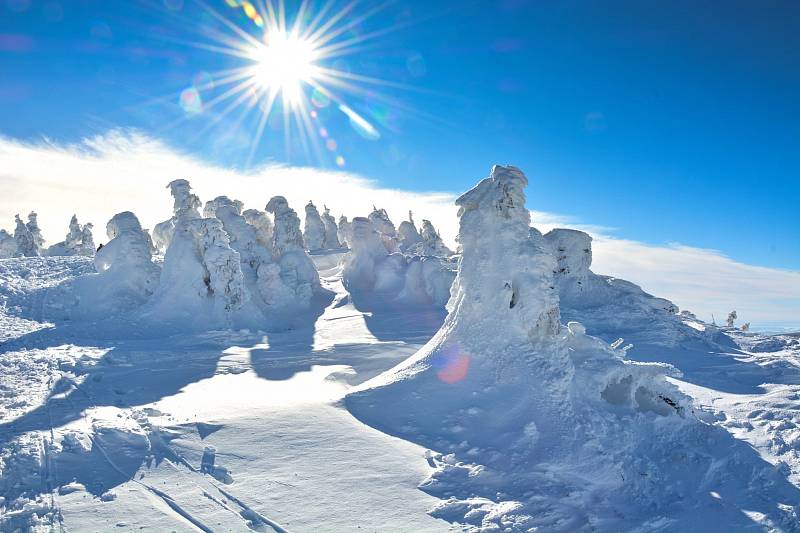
(408, 234)
(26, 243)
(8, 246)
(314, 232)
(331, 231)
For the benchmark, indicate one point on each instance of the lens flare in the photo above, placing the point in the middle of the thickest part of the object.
(452, 364)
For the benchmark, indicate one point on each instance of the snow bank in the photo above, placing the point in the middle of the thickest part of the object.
(545, 426)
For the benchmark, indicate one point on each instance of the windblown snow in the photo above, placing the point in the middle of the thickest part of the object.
(241, 370)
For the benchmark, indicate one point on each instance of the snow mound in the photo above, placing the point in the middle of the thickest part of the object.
(542, 425)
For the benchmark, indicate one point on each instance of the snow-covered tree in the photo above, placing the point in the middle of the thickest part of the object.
(8, 245)
(385, 228)
(731, 319)
(210, 209)
(296, 269)
(367, 252)
(314, 233)
(36, 232)
(408, 234)
(432, 243)
(26, 243)
(331, 231)
(263, 225)
(345, 232)
(503, 385)
(79, 241)
(184, 204)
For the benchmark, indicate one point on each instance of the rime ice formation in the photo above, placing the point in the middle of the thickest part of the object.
(126, 276)
(731, 319)
(408, 234)
(79, 241)
(36, 233)
(314, 232)
(542, 410)
(297, 271)
(210, 209)
(331, 230)
(8, 246)
(370, 268)
(611, 308)
(185, 204)
(432, 243)
(263, 225)
(26, 242)
(385, 228)
(201, 280)
(345, 232)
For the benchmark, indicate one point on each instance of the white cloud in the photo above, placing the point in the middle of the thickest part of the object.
(128, 171)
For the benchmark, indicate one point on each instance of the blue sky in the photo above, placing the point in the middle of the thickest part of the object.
(668, 121)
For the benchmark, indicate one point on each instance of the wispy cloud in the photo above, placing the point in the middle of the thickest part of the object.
(128, 171)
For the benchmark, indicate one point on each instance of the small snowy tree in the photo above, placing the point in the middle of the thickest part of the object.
(345, 232)
(431, 242)
(408, 234)
(8, 246)
(87, 246)
(331, 230)
(79, 241)
(26, 243)
(731, 318)
(185, 204)
(36, 233)
(296, 269)
(385, 228)
(263, 225)
(210, 209)
(314, 233)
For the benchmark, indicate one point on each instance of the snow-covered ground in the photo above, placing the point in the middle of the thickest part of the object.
(107, 428)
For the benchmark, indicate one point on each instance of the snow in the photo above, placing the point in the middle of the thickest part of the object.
(79, 240)
(215, 389)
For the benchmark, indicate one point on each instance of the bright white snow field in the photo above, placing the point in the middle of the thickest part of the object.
(241, 371)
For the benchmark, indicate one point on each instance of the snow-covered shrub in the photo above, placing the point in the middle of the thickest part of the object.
(8, 245)
(296, 269)
(263, 225)
(385, 228)
(79, 241)
(26, 242)
(314, 232)
(184, 204)
(331, 231)
(503, 383)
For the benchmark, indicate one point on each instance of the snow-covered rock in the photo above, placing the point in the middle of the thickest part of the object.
(549, 427)
(314, 232)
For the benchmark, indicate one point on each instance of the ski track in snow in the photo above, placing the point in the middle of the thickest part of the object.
(56, 380)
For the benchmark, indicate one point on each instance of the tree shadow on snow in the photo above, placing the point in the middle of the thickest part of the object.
(388, 320)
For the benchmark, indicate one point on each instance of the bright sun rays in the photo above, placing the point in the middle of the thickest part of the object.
(290, 73)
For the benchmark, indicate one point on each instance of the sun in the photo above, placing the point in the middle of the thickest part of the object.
(283, 63)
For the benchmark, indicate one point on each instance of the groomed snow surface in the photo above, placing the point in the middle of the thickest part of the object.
(263, 376)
